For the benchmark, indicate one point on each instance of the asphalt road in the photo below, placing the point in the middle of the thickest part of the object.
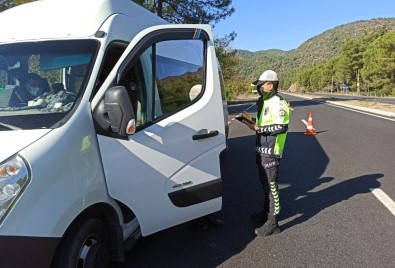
(330, 214)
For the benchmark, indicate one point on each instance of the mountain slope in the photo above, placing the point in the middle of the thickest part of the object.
(315, 50)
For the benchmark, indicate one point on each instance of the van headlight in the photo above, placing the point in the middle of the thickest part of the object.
(14, 176)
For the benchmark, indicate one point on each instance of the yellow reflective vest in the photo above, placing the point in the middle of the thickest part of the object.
(273, 123)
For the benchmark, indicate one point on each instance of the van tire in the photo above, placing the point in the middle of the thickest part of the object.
(85, 245)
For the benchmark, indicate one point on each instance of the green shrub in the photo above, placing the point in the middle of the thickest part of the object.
(387, 90)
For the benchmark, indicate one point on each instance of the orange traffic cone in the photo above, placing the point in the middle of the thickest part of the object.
(310, 129)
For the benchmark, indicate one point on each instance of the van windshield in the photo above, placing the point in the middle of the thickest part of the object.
(41, 82)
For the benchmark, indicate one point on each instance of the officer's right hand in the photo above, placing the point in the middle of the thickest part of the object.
(250, 126)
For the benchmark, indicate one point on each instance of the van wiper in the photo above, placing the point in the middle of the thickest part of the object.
(9, 126)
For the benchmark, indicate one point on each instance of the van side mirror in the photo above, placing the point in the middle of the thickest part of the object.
(115, 112)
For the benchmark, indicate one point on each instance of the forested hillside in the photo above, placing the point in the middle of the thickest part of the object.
(339, 56)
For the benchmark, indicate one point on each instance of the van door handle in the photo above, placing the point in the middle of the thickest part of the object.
(206, 135)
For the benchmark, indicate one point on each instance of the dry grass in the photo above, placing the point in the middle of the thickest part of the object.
(372, 105)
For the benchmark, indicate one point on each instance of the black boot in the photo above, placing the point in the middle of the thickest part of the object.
(259, 217)
(269, 228)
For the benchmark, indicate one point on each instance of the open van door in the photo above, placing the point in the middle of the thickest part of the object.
(167, 170)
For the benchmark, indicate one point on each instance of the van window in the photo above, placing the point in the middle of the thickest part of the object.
(40, 82)
(179, 67)
(112, 55)
(160, 81)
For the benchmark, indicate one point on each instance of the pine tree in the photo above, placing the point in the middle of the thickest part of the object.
(6, 4)
(190, 11)
(379, 63)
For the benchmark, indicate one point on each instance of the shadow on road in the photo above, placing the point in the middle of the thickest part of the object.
(303, 191)
(308, 193)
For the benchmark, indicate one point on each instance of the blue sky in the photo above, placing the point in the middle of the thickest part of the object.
(286, 24)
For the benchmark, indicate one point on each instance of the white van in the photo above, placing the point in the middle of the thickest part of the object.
(112, 144)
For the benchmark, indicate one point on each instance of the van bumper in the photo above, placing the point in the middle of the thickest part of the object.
(23, 251)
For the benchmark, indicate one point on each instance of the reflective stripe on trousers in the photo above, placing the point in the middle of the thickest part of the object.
(268, 171)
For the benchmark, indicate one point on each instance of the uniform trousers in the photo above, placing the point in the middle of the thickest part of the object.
(268, 172)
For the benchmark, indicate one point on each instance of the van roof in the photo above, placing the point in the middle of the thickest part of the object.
(48, 19)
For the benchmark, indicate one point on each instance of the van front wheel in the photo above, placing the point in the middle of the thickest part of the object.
(86, 245)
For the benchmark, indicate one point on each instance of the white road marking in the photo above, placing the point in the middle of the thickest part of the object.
(354, 110)
(384, 199)
(250, 107)
(241, 104)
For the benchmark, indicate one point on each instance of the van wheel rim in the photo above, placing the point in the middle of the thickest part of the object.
(92, 253)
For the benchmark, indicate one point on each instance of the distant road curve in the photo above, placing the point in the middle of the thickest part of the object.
(330, 99)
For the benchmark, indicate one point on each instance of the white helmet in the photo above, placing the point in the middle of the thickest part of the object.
(268, 75)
